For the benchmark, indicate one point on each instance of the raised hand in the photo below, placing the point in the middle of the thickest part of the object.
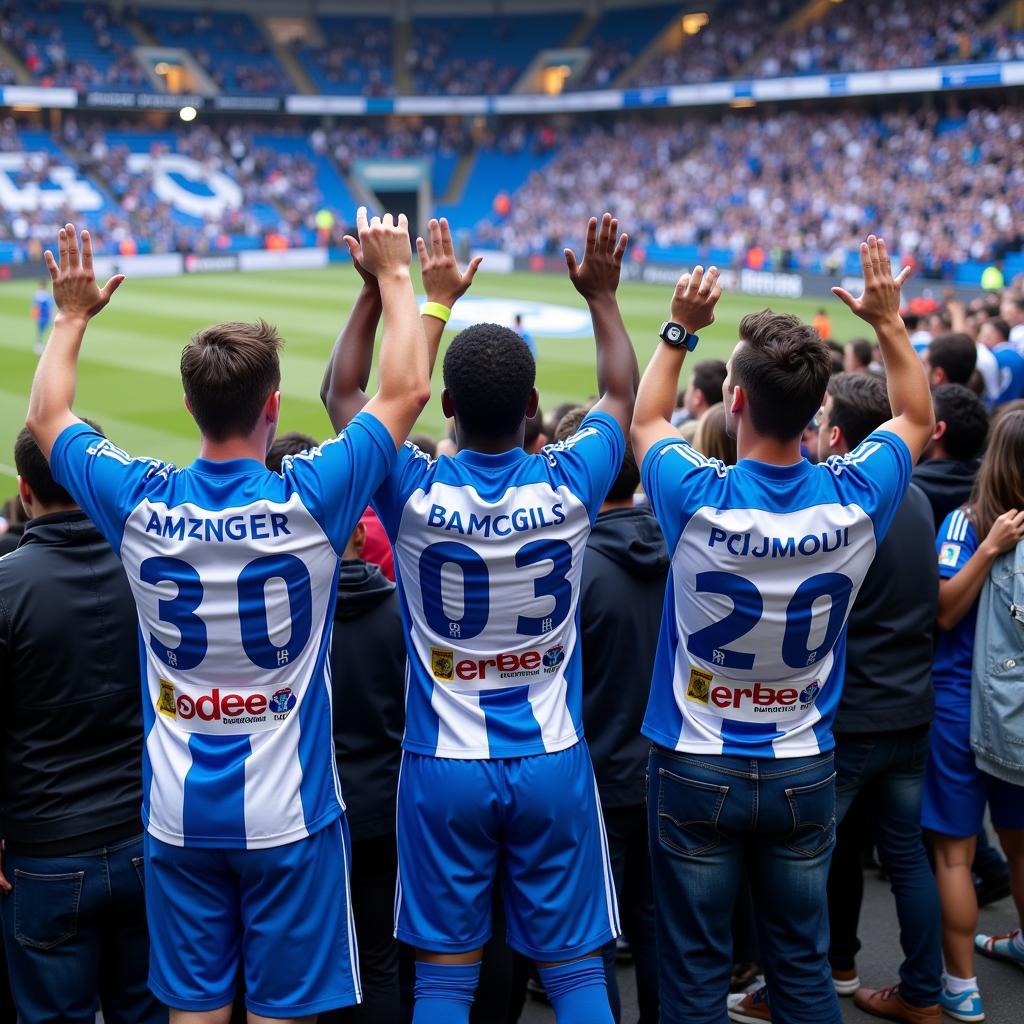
(74, 283)
(442, 280)
(598, 275)
(695, 298)
(383, 245)
(880, 301)
(356, 252)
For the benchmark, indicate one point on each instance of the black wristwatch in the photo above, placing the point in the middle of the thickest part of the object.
(677, 336)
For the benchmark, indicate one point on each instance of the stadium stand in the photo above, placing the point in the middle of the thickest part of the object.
(801, 189)
(616, 41)
(228, 46)
(354, 57)
(63, 44)
(480, 55)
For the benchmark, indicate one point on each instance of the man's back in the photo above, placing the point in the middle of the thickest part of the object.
(233, 570)
(767, 562)
(72, 736)
(489, 550)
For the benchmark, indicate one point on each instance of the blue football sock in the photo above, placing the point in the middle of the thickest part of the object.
(578, 991)
(444, 992)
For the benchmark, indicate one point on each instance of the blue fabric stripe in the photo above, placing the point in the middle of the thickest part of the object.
(422, 724)
(316, 734)
(212, 807)
(509, 718)
(663, 721)
(831, 695)
(749, 739)
(148, 721)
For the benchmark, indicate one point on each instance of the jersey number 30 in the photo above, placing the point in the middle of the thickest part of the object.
(180, 611)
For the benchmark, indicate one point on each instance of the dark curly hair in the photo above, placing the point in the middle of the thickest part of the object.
(489, 374)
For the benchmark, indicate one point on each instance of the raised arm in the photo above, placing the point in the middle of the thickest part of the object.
(910, 397)
(693, 307)
(404, 378)
(443, 283)
(78, 299)
(343, 390)
(597, 280)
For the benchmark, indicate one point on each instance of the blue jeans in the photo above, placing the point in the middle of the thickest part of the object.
(714, 819)
(888, 768)
(75, 935)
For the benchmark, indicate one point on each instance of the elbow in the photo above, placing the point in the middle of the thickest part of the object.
(944, 622)
(420, 395)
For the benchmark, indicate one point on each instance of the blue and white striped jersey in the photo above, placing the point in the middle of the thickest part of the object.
(234, 572)
(488, 556)
(767, 562)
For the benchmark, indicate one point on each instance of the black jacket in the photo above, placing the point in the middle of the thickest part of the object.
(71, 734)
(621, 597)
(890, 640)
(368, 687)
(946, 484)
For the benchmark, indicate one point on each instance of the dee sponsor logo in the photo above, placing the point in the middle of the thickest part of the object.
(221, 707)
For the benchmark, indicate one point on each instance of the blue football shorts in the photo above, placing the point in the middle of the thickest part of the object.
(532, 825)
(283, 913)
(956, 790)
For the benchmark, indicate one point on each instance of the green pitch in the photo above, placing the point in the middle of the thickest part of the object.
(129, 382)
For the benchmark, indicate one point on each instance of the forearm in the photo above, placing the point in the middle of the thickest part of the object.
(958, 594)
(617, 371)
(403, 372)
(433, 329)
(909, 394)
(659, 387)
(56, 377)
(343, 391)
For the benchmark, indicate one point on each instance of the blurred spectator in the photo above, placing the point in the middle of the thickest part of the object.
(73, 909)
(858, 356)
(950, 462)
(950, 359)
(881, 727)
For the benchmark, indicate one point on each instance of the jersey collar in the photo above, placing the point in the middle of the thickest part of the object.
(229, 467)
(500, 461)
(773, 472)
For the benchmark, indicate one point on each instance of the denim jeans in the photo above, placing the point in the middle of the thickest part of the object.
(713, 819)
(75, 936)
(889, 769)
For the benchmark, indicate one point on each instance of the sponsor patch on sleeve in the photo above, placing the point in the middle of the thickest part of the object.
(949, 554)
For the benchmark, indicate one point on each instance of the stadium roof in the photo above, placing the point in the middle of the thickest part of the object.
(408, 8)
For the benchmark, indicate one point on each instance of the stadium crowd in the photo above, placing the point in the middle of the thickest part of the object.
(925, 728)
(800, 190)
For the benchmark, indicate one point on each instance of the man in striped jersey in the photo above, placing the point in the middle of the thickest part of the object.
(767, 559)
(234, 571)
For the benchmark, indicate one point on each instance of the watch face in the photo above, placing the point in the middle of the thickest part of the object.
(673, 333)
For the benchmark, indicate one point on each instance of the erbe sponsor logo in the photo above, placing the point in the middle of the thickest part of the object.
(225, 707)
(446, 668)
(757, 699)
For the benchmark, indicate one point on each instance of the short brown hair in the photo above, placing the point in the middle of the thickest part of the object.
(228, 372)
(784, 368)
(860, 404)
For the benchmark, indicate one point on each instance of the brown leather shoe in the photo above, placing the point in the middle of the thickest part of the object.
(890, 1005)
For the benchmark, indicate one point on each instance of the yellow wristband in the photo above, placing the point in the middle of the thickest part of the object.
(443, 313)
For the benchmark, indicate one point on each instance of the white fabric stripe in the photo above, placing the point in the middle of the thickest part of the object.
(398, 873)
(265, 813)
(691, 455)
(954, 526)
(965, 523)
(609, 878)
(170, 760)
(353, 950)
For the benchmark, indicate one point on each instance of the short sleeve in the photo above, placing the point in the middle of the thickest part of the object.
(106, 482)
(336, 479)
(673, 471)
(875, 476)
(955, 544)
(590, 460)
(410, 472)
